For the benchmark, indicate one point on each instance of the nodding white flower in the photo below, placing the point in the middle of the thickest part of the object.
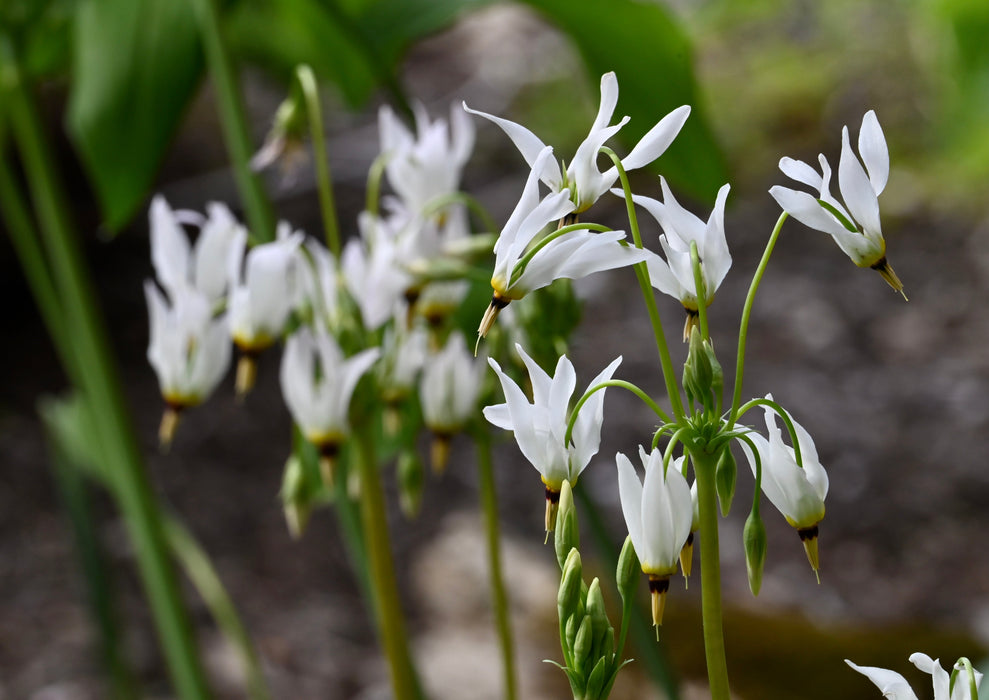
(424, 166)
(260, 302)
(373, 273)
(317, 383)
(570, 256)
(582, 180)
(854, 225)
(188, 348)
(796, 493)
(895, 687)
(179, 265)
(675, 275)
(320, 285)
(540, 427)
(658, 514)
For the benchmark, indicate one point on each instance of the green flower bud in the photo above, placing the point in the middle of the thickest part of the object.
(717, 374)
(597, 679)
(295, 500)
(698, 374)
(566, 535)
(627, 574)
(410, 482)
(583, 644)
(754, 540)
(595, 607)
(569, 594)
(570, 633)
(725, 477)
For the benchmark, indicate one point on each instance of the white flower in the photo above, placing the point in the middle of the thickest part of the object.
(796, 493)
(675, 275)
(403, 355)
(855, 225)
(895, 687)
(449, 387)
(570, 256)
(582, 180)
(317, 383)
(373, 274)
(178, 265)
(189, 349)
(540, 427)
(260, 302)
(425, 166)
(658, 513)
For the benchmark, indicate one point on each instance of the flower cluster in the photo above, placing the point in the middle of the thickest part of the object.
(962, 684)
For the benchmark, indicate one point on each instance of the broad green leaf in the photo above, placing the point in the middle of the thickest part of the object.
(136, 67)
(651, 56)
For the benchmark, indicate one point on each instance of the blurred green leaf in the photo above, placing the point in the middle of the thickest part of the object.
(136, 67)
(651, 55)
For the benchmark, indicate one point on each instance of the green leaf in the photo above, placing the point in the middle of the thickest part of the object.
(651, 56)
(136, 67)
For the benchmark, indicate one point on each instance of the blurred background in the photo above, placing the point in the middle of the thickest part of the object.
(895, 393)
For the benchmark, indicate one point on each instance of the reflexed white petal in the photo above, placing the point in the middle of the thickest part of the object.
(874, 152)
(587, 428)
(462, 134)
(715, 257)
(657, 139)
(583, 169)
(349, 374)
(662, 278)
(577, 255)
(212, 358)
(267, 280)
(170, 250)
(891, 684)
(528, 143)
(856, 189)
(542, 383)
(297, 378)
(801, 172)
(630, 492)
(550, 209)
(220, 239)
(499, 416)
(807, 210)
(678, 222)
(609, 99)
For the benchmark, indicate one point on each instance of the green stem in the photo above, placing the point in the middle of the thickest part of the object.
(314, 115)
(645, 286)
(443, 201)
(621, 383)
(700, 288)
(705, 466)
(204, 577)
(746, 314)
(100, 384)
(545, 241)
(499, 597)
(236, 132)
(388, 609)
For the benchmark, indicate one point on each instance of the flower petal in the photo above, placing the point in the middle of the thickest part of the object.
(528, 143)
(891, 684)
(874, 152)
(801, 172)
(657, 139)
(856, 189)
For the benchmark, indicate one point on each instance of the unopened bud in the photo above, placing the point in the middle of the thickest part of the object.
(583, 644)
(697, 372)
(808, 535)
(597, 679)
(410, 482)
(568, 596)
(594, 607)
(628, 570)
(725, 478)
(294, 501)
(754, 542)
(566, 535)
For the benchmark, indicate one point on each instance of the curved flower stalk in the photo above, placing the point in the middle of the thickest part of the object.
(188, 348)
(675, 275)
(855, 225)
(571, 256)
(425, 165)
(581, 180)
(540, 427)
(448, 390)
(261, 300)
(317, 383)
(658, 514)
(180, 266)
(798, 493)
(895, 687)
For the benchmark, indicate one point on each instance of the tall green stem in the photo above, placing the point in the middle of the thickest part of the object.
(499, 599)
(314, 116)
(101, 386)
(645, 286)
(388, 609)
(705, 466)
(746, 313)
(236, 133)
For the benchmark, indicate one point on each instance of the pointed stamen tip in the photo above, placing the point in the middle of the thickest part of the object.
(247, 373)
(439, 453)
(166, 429)
(552, 506)
(809, 537)
(487, 321)
(658, 587)
(886, 271)
(692, 321)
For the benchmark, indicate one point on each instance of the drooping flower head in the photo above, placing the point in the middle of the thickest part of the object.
(675, 275)
(895, 687)
(571, 256)
(540, 426)
(582, 180)
(854, 224)
(797, 493)
(658, 514)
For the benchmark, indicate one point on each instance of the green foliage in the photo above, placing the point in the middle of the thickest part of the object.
(136, 65)
(651, 55)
